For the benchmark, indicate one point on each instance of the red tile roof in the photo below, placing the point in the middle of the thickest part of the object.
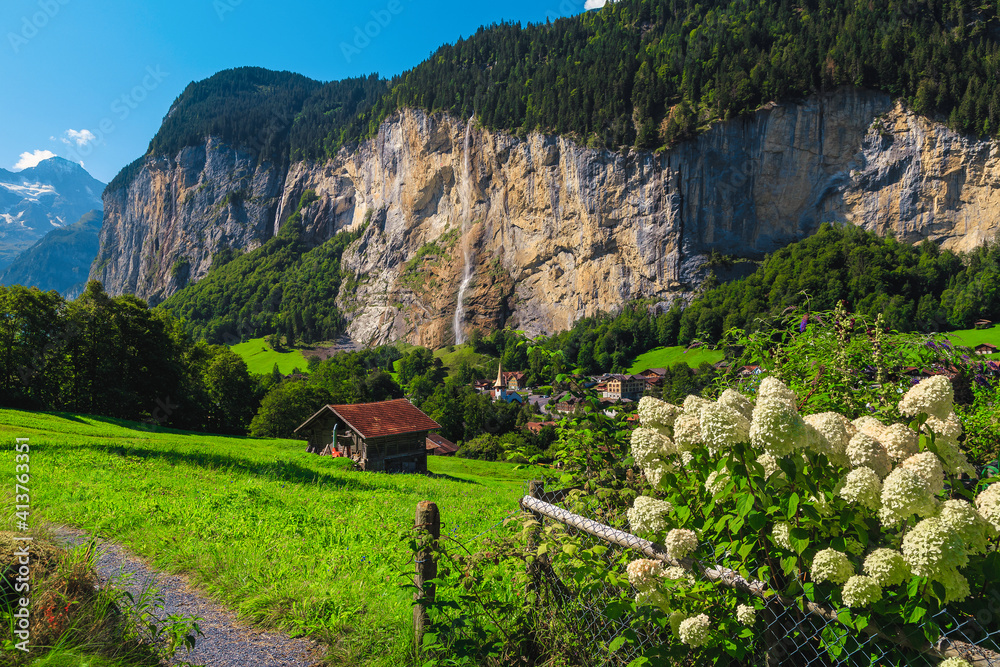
(378, 420)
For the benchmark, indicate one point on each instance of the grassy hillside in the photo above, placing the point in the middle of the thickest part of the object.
(663, 357)
(261, 358)
(973, 337)
(283, 537)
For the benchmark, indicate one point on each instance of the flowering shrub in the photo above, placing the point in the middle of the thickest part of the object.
(867, 515)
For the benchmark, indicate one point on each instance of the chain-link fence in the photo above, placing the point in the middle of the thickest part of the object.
(787, 631)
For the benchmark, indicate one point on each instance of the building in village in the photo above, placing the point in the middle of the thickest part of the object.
(390, 436)
(438, 445)
(627, 387)
(986, 348)
(504, 387)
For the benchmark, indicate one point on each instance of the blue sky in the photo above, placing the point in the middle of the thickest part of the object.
(90, 80)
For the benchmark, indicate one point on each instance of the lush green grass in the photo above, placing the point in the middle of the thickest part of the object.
(973, 337)
(261, 358)
(282, 536)
(662, 357)
(463, 353)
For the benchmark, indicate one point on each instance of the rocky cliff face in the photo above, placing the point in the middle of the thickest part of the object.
(556, 231)
(162, 229)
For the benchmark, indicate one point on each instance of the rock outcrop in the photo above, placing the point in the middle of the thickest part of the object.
(557, 231)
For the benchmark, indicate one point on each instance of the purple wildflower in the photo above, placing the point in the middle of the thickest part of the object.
(803, 323)
(931, 345)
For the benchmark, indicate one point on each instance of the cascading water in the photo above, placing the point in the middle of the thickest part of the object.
(465, 192)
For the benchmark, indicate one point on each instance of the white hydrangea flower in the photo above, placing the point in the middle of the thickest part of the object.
(746, 615)
(929, 468)
(653, 412)
(933, 396)
(722, 427)
(900, 441)
(954, 662)
(930, 548)
(865, 450)
(777, 428)
(648, 445)
(656, 470)
(648, 515)
(687, 432)
(694, 631)
(693, 405)
(769, 464)
(962, 518)
(870, 426)
(953, 458)
(680, 542)
(781, 534)
(677, 573)
(988, 503)
(860, 591)
(863, 487)
(737, 401)
(772, 387)
(905, 493)
(832, 436)
(887, 567)
(644, 573)
(831, 565)
(956, 586)
(948, 428)
(716, 482)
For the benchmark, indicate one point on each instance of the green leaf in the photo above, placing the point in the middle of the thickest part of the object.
(756, 520)
(744, 504)
(570, 549)
(616, 644)
(793, 504)
(799, 539)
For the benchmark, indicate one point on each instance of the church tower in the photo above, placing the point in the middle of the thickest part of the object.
(499, 389)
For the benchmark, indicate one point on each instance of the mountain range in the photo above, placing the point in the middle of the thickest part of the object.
(33, 202)
(533, 175)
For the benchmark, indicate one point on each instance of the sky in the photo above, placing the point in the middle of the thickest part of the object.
(90, 80)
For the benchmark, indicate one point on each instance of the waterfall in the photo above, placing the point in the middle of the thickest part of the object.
(465, 192)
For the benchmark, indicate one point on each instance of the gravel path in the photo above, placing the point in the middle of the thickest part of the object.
(227, 642)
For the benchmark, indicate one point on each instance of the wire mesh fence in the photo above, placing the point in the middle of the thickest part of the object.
(787, 631)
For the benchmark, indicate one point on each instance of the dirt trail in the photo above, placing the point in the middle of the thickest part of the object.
(227, 641)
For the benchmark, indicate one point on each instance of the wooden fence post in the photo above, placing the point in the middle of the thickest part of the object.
(536, 489)
(428, 525)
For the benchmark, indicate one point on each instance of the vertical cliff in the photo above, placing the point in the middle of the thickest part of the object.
(558, 231)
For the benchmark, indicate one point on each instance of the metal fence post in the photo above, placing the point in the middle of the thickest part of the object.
(536, 489)
(428, 525)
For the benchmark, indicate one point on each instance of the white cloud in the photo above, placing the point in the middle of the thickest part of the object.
(29, 160)
(594, 4)
(79, 137)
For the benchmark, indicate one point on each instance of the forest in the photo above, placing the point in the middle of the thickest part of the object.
(283, 287)
(916, 288)
(639, 73)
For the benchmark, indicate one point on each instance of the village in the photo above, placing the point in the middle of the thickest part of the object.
(396, 436)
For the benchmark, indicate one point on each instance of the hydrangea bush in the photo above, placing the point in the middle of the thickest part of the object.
(871, 518)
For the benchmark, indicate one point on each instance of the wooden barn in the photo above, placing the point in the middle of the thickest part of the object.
(389, 436)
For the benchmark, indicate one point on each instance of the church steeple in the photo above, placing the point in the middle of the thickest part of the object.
(499, 390)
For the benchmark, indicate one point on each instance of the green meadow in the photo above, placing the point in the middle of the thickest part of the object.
(662, 357)
(261, 358)
(285, 538)
(974, 337)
